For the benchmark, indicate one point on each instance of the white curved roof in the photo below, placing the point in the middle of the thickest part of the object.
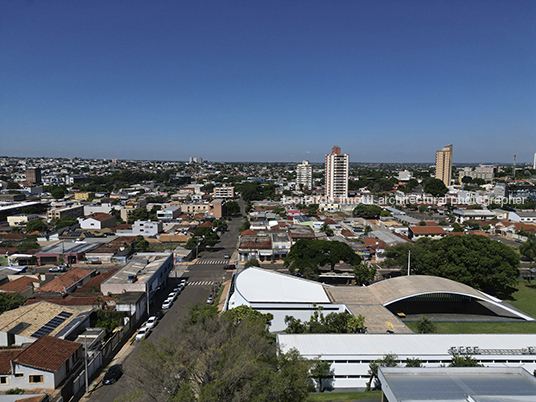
(257, 285)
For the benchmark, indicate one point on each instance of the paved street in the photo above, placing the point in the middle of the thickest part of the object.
(201, 276)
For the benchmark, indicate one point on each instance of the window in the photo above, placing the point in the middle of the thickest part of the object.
(19, 375)
(4, 380)
(36, 378)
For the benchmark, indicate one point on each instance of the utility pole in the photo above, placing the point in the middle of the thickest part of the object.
(409, 261)
(515, 168)
(85, 362)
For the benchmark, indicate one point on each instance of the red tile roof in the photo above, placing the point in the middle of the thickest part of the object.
(427, 230)
(19, 285)
(73, 300)
(13, 236)
(37, 398)
(248, 232)
(47, 353)
(100, 216)
(61, 283)
(374, 243)
(5, 359)
(95, 281)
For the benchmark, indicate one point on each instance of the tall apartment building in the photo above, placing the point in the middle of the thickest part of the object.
(444, 165)
(33, 175)
(304, 176)
(336, 174)
(223, 192)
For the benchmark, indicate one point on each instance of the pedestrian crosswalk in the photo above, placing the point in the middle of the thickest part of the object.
(213, 262)
(201, 283)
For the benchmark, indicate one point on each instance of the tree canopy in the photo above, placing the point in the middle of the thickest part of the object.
(364, 273)
(228, 357)
(306, 255)
(476, 261)
(232, 207)
(436, 188)
(367, 211)
(38, 225)
(333, 323)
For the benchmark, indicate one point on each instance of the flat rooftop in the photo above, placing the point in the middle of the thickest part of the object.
(143, 269)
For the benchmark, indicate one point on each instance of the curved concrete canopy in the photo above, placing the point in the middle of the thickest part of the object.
(396, 289)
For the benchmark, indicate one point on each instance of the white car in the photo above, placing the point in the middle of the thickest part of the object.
(173, 295)
(183, 282)
(167, 304)
(142, 333)
(151, 322)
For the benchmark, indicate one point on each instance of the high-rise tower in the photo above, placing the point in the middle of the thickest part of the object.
(443, 161)
(336, 174)
(304, 176)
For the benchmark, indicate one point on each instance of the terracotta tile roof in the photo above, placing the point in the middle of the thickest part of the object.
(374, 243)
(73, 300)
(427, 229)
(95, 281)
(265, 245)
(330, 221)
(121, 226)
(19, 285)
(37, 398)
(47, 353)
(248, 232)
(5, 359)
(100, 216)
(13, 236)
(9, 250)
(184, 217)
(207, 224)
(63, 282)
(199, 216)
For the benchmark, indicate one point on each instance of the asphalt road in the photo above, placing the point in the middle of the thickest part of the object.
(208, 269)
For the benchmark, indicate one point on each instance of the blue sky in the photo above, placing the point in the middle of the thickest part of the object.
(387, 81)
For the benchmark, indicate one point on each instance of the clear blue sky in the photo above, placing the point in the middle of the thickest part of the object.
(268, 80)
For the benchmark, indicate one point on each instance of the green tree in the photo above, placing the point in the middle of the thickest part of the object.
(425, 326)
(252, 262)
(326, 229)
(367, 211)
(528, 249)
(65, 221)
(221, 358)
(312, 209)
(477, 261)
(232, 207)
(10, 301)
(58, 193)
(139, 214)
(389, 360)
(436, 188)
(141, 244)
(333, 323)
(413, 362)
(336, 251)
(364, 273)
(321, 369)
(38, 225)
(464, 361)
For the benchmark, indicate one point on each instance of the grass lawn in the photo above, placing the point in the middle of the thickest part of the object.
(524, 299)
(345, 396)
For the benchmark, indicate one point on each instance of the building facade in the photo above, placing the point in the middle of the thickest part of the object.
(444, 165)
(224, 192)
(337, 174)
(33, 175)
(304, 176)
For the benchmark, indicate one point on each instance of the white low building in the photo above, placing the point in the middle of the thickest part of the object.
(351, 354)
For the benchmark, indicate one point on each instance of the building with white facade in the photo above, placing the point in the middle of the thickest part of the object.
(351, 354)
(337, 166)
(224, 192)
(304, 176)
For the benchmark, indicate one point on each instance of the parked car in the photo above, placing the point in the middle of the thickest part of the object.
(151, 322)
(59, 268)
(112, 375)
(227, 256)
(178, 288)
(142, 333)
(230, 266)
(210, 300)
(183, 281)
(173, 295)
(167, 304)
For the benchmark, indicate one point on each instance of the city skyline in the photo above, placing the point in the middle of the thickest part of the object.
(389, 82)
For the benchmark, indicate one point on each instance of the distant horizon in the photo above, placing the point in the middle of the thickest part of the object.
(269, 81)
(283, 162)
